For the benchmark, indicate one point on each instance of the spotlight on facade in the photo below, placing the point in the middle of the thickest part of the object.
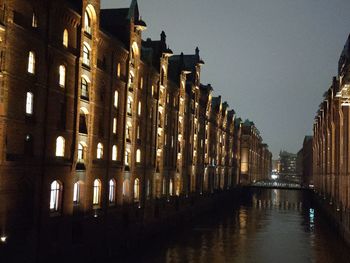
(3, 239)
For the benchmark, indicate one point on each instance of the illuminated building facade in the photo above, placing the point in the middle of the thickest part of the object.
(102, 132)
(332, 137)
(256, 159)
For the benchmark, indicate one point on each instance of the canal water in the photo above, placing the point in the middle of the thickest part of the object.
(267, 226)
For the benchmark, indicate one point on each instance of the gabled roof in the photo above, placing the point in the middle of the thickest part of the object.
(116, 21)
(187, 62)
(159, 47)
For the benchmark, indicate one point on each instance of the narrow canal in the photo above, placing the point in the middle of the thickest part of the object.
(267, 226)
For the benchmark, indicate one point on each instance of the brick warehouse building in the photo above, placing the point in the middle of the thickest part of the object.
(101, 131)
(330, 145)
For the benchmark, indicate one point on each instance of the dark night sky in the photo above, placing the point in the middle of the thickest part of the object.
(270, 59)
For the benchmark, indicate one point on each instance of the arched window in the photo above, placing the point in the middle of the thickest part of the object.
(127, 157)
(76, 193)
(31, 62)
(55, 196)
(171, 187)
(87, 23)
(81, 152)
(114, 153)
(83, 121)
(114, 125)
(116, 98)
(65, 38)
(162, 76)
(129, 105)
(62, 75)
(111, 196)
(29, 103)
(141, 83)
(60, 145)
(139, 109)
(96, 192)
(34, 21)
(118, 70)
(128, 131)
(99, 151)
(138, 156)
(86, 55)
(137, 190)
(84, 89)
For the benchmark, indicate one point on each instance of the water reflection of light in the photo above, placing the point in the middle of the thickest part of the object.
(242, 218)
(312, 215)
(312, 218)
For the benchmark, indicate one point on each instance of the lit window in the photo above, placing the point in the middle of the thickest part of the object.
(84, 89)
(62, 76)
(141, 83)
(116, 98)
(139, 109)
(87, 23)
(96, 192)
(137, 190)
(55, 197)
(128, 131)
(34, 21)
(86, 55)
(60, 145)
(29, 103)
(171, 187)
(111, 196)
(99, 151)
(138, 156)
(118, 70)
(114, 153)
(76, 193)
(127, 157)
(65, 38)
(80, 152)
(129, 105)
(31, 62)
(114, 125)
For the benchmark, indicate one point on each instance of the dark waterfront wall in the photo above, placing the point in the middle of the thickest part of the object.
(104, 237)
(339, 219)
